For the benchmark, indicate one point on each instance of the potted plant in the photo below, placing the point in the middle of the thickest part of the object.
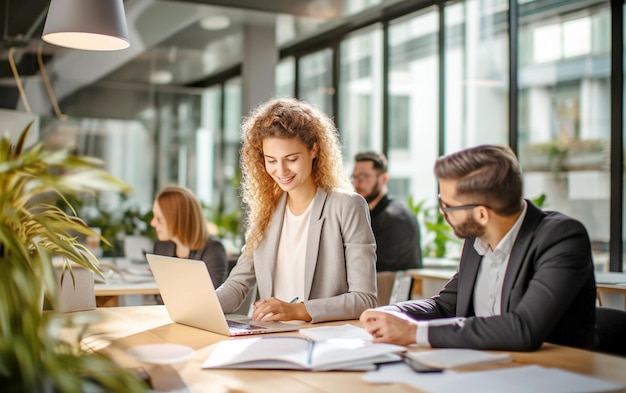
(439, 234)
(33, 356)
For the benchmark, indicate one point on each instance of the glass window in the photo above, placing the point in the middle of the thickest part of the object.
(413, 125)
(316, 80)
(208, 152)
(360, 92)
(232, 122)
(476, 78)
(286, 77)
(564, 112)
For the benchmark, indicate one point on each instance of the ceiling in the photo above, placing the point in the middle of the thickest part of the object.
(168, 45)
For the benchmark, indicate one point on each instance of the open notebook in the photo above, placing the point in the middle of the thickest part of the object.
(189, 297)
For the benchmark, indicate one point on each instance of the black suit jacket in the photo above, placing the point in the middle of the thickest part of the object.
(548, 293)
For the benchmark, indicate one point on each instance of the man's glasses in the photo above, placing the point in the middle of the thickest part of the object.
(446, 208)
(361, 177)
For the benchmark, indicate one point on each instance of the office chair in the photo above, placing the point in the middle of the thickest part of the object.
(611, 327)
(393, 287)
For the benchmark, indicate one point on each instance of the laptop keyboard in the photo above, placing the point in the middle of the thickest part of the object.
(243, 326)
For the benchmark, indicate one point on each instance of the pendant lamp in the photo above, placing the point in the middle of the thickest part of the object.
(87, 24)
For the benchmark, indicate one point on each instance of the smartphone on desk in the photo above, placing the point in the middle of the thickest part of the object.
(419, 367)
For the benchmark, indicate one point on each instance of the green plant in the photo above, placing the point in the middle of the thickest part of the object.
(113, 223)
(228, 224)
(438, 232)
(540, 200)
(33, 357)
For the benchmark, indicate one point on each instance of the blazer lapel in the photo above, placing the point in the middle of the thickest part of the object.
(518, 253)
(468, 271)
(313, 239)
(268, 251)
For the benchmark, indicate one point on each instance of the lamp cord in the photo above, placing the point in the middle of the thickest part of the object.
(18, 81)
(46, 80)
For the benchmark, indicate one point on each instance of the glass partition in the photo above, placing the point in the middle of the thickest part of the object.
(316, 80)
(564, 112)
(360, 92)
(476, 78)
(413, 108)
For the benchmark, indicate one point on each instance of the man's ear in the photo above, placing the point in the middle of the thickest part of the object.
(385, 178)
(482, 214)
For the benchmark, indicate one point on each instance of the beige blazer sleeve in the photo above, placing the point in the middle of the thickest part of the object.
(340, 265)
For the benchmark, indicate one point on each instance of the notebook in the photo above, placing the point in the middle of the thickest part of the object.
(190, 299)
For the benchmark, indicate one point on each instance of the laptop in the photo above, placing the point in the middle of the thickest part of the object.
(190, 299)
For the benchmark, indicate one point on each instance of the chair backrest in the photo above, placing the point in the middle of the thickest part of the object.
(384, 286)
(393, 287)
(402, 286)
(611, 327)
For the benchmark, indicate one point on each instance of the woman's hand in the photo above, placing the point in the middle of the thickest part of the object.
(273, 309)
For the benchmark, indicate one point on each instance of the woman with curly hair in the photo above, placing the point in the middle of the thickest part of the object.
(308, 234)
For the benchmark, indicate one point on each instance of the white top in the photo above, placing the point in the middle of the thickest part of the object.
(289, 273)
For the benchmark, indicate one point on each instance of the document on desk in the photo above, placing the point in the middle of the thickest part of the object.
(522, 379)
(301, 353)
(458, 357)
(335, 332)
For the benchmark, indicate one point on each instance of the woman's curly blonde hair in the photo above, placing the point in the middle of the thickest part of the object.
(284, 118)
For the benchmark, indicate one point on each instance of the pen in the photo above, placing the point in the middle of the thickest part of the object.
(294, 300)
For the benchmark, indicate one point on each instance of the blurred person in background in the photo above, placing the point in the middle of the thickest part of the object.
(183, 231)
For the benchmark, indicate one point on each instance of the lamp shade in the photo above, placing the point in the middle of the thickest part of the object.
(87, 24)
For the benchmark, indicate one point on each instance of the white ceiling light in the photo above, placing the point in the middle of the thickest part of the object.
(215, 22)
(87, 24)
(161, 77)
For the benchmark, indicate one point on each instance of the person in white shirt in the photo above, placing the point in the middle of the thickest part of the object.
(309, 244)
(525, 275)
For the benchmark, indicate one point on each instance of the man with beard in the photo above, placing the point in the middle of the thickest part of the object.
(395, 228)
(525, 276)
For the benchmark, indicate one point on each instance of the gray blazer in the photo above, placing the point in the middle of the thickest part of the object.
(340, 264)
(549, 292)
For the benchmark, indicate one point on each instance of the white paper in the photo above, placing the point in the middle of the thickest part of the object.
(457, 357)
(330, 332)
(523, 379)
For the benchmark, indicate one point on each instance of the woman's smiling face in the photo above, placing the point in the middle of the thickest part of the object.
(288, 161)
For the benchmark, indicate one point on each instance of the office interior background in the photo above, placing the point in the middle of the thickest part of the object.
(413, 79)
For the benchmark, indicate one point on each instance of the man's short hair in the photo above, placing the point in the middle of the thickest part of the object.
(378, 159)
(486, 174)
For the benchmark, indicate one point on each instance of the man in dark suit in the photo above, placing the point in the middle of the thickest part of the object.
(395, 227)
(525, 275)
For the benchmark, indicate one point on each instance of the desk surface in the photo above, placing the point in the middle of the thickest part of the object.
(127, 288)
(129, 326)
(603, 279)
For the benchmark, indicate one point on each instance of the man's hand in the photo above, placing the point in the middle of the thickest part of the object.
(389, 327)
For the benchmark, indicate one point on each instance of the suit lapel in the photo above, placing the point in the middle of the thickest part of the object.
(313, 239)
(518, 253)
(267, 252)
(468, 271)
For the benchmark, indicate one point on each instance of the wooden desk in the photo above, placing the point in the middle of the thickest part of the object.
(612, 282)
(129, 326)
(428, 282)
(107, 295)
